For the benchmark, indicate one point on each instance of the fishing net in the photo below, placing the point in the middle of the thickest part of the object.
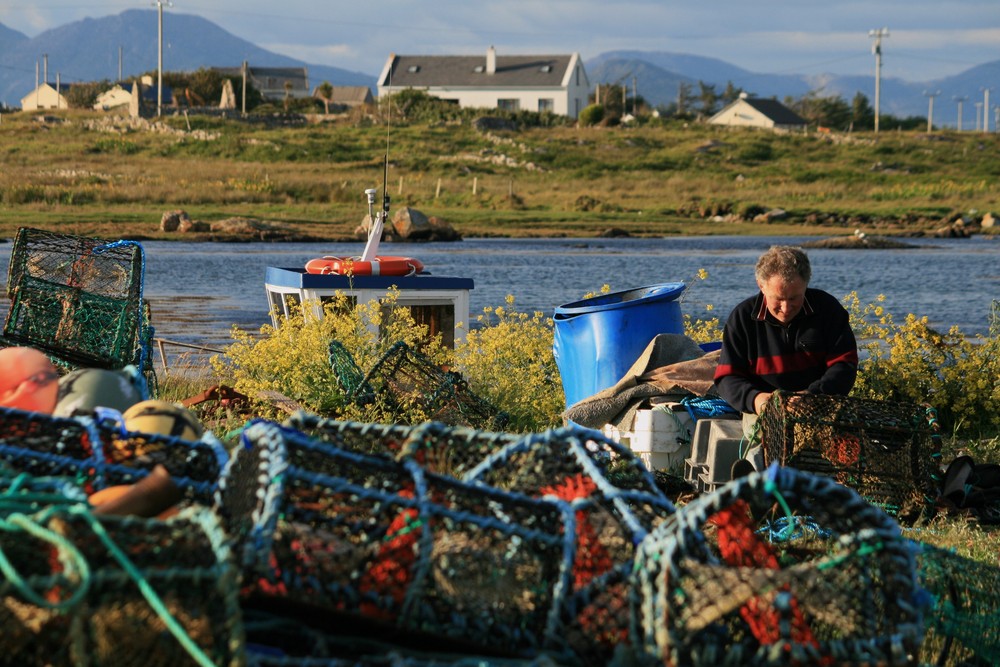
(100, 454)
(331, 533)
(116, 591)
(616, 503)
(835, 583)
(962, 627)
(888, 451)
(79, 300)
(404, 384)
(439, 448)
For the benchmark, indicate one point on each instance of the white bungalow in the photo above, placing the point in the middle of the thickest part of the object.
(46, 96)
(532, 83)
(759, 112)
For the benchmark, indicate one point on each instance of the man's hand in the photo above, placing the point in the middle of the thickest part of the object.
(760, 400)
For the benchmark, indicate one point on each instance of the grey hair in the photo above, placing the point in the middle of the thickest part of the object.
(785, 261)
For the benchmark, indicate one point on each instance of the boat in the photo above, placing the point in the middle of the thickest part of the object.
(439, 302)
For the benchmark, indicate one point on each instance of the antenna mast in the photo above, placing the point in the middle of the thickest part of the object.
(877, 35)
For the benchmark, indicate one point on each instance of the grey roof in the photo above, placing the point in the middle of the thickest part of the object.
(350, 94)
(470, 71)
(776, 111)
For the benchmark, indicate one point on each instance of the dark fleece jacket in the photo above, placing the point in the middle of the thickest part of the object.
(816, 352)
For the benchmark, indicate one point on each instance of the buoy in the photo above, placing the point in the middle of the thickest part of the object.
(355, 266)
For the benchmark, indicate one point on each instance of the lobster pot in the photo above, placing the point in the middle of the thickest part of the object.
(78, 299)
(99, 455)
(121, 591)
(437, 447)
(962, 621)
(616, 502)
(778, 568)
(387, 543)
(887, 451)
(404, 382)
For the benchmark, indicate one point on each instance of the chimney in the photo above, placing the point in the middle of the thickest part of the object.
(491, 60)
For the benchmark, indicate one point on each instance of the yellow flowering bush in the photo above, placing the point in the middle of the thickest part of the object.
(509, 362)
(293, 358)
(956, 374)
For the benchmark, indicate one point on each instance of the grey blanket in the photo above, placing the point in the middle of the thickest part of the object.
(671, 366)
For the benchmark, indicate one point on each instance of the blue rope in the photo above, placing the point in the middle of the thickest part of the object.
(706, 406)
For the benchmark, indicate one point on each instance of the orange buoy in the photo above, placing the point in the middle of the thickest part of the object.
(354, 266)
(28, 380)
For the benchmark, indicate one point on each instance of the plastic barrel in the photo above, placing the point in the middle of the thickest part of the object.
(598, 339)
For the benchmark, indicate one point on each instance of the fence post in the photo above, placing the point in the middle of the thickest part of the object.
(437, 193)
(400, 192)
(475, 184)
(510, 188)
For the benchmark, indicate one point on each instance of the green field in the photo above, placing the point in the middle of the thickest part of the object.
(89, 174)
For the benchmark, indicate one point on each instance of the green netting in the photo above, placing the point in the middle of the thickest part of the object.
(888, 451)
(963, 624)
(79, 300)
(405, 385)
(712, 589)
(77, 590)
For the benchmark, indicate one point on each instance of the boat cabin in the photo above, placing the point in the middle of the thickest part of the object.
(440, 302)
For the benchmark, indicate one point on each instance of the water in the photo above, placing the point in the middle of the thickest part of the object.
(199, 290)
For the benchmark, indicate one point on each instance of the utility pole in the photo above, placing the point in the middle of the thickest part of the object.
(119, 64)
(986, 109)
(979, 106)
(45, 68)
(930, 109)
(246, 66)
(159, 61)
(960, 99)
(877, 35)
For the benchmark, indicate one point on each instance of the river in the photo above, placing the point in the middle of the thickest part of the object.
(199, 290)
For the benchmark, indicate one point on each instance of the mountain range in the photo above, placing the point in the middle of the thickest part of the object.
(94, 49)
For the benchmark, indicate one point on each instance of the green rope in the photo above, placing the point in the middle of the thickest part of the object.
(771, 488)
(70, 556)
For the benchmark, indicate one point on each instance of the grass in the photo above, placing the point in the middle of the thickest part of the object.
(654, 180)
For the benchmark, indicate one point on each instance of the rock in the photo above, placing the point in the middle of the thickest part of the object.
(487, 123)
(410, 224)
(188, 225)
(988, 221)
(171, 220)
(614, 233)
(241, 226)
(442, 231)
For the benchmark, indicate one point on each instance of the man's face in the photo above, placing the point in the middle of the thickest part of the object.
(784, 298)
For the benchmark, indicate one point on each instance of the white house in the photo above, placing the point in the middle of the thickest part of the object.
(759, 112)
(532, 83)
(46, 96)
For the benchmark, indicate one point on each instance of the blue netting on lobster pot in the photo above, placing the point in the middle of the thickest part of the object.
(395, 550)
(81, 590)
(99, 455)
(715, 585)
(437, 447)
(962, 627)
(616, 503)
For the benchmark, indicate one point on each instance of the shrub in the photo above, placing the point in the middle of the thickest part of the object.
(509, 362)
(591, 115)
(293, 358)
(957, 375)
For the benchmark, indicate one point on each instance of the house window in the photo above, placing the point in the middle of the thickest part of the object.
(545, 68)
(546, 104)
(512, 104)
(413, 69)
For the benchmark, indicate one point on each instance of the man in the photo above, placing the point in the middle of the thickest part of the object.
(789, 337)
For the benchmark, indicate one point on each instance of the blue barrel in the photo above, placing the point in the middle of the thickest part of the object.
(598, 339)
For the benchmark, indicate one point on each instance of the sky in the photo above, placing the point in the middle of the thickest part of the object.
(927, 39)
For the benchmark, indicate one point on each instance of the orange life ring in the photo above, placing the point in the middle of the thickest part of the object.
(381, 266)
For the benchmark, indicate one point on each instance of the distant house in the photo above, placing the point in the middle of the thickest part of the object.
(124, 94)
(46, 96)
(532, 83)
(273, 83)
(759, 112)
(348, 96)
